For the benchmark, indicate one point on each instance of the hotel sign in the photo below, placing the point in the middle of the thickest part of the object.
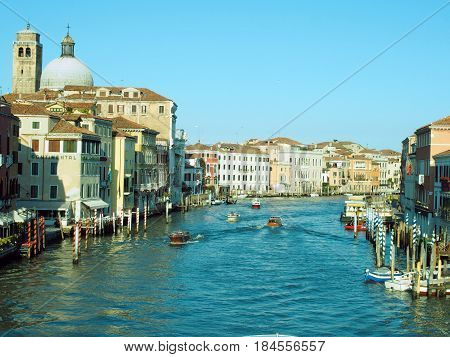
(55, 156)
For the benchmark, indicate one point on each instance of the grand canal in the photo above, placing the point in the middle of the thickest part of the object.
(236, 279)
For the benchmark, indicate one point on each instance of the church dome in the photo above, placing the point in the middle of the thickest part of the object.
(66, 70)
(63, 71)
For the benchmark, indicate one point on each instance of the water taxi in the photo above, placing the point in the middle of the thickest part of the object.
(274, 222)
(233, 217)
(177, 238)
(355, 205)
(256, 203)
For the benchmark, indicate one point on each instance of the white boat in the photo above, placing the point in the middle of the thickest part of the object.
(216, 202)
(256, 203)
(314, 195)
(380, 275)
(400, 283)
(233, 217)
(241, 196)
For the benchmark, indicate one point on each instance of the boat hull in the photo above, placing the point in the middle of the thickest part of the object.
(257, 206)
(380, 277)
(179, 238)
(274, 224)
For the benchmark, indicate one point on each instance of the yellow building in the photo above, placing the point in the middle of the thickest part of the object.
(58, 166)
(123, 168)
(145, 180)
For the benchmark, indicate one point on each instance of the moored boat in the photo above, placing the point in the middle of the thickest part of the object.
(242, 196)
(359, 227)
(216, 202)
(233, 217)
(256, 203)
(380, 275)
(314, 195)
(274, 221)
(180, 237)
(400, 283)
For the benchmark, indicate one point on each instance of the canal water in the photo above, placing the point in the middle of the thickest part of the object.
(235, 279)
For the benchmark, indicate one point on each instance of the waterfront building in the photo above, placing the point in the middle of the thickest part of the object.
(242, 169)
(442, 192)
(233, 168)
(193, 175)
(145, 174)
(27, 62)
(123, 171)
(408, 180)
(9, 184)
(58, 166)
(363, 175)
(210, 162)
(432, 139)
(103, 128)
(294, 168)
(336, 174)
(67, 87)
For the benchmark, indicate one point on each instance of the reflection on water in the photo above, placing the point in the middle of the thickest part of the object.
(234, 279)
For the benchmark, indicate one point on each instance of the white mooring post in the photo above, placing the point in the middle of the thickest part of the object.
(355, 225)
(145, 217)
(121, 220)
(130, 218)
(137, 218)
(167, 211)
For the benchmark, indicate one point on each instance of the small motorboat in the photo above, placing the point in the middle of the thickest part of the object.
(274, 222)
(314, 195)
(230, 201)
(256, 203)
(216, 202)
(380, 275)
(242, 196)
(400, 283)
(233, 217)
(178, 238)
(359, 227)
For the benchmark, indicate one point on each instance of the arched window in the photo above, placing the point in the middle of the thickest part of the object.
(20, 51)
(28, 52)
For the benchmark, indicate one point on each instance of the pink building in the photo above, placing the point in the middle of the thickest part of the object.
(9, 187)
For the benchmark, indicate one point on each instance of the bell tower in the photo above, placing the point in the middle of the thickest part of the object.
(27, 62)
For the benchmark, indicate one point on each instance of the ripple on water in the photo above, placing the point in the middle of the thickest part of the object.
(239, 279)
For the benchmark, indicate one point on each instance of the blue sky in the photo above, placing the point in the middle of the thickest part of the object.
(239, 69)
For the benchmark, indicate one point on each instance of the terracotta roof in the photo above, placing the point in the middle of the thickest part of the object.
(198, 146)
(442, 122)
(117, 132)
(442, 154)
(389, 152)
(64, 127)
(236, 148)
(146, 94)
(122, 123)
(45, 95)
(80, 96)
(80, 105)
(28, 109)
(368, 151)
